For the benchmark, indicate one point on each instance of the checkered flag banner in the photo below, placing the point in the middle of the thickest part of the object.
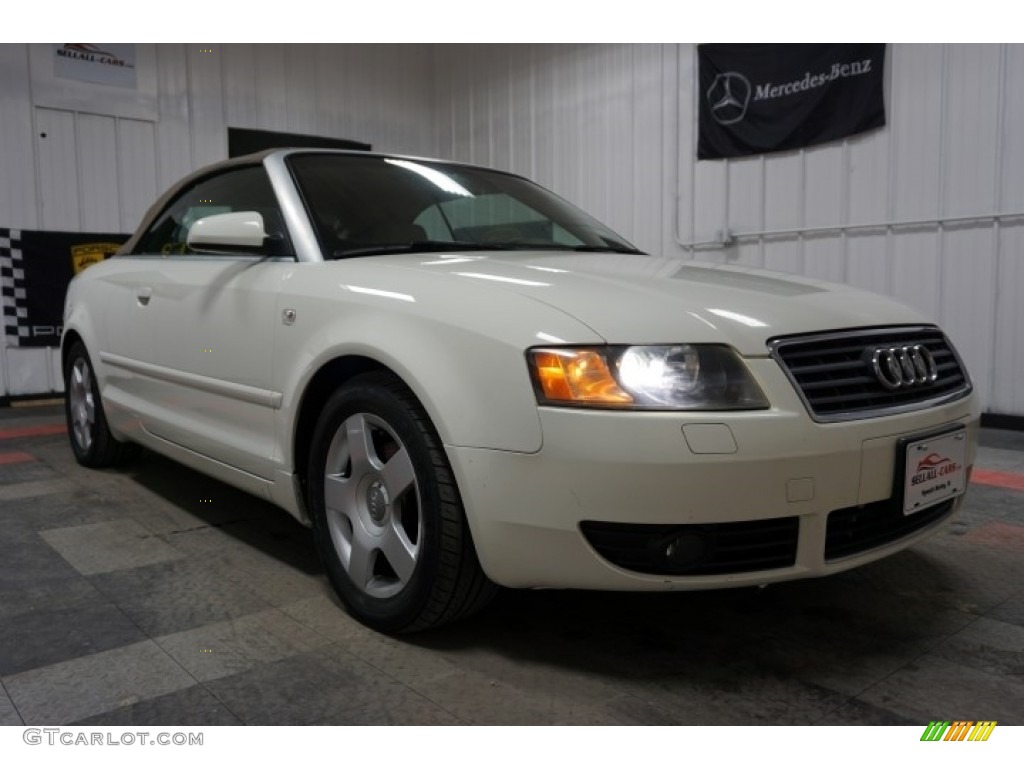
(12, 287)
(35, 269)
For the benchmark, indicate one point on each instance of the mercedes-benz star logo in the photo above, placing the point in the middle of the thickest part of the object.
(728, 97)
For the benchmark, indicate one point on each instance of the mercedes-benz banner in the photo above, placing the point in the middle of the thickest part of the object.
(774, 97)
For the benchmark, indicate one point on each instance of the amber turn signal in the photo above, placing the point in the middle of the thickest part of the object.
(576, 375)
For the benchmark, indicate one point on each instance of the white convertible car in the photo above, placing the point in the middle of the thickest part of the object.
(461, 381)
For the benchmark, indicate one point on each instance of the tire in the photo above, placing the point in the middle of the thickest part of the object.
(387, 518)
(91, 440)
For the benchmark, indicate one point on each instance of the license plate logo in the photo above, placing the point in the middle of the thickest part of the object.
(935, 470)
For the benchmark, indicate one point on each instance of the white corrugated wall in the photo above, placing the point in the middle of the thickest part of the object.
(613, 128)
(107, 154)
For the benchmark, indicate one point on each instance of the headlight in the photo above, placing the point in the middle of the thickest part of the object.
(666, 377)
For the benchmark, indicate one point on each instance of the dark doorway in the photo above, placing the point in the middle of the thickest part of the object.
(245, 141)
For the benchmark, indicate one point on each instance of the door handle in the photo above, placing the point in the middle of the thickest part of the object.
(144, 295)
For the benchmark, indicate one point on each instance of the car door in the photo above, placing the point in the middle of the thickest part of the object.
(208, 373)
(122, 336)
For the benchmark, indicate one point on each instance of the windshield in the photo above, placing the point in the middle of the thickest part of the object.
(362, 206)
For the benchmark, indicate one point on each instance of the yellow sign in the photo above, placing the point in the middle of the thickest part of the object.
(90, 253)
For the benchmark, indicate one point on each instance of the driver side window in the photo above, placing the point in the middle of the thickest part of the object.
(238, 189)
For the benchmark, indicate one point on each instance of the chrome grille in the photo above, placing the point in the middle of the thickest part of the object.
(834, 375)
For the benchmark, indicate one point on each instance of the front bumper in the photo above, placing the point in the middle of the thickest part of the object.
(526, 510)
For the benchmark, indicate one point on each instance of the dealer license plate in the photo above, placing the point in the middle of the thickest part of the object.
(935, 470)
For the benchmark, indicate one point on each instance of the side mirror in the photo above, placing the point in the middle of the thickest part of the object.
(227, 232)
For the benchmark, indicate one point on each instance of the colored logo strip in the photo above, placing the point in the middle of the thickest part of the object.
(958, 730)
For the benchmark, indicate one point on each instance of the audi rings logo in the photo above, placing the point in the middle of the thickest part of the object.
(904, 367)
(728, 97)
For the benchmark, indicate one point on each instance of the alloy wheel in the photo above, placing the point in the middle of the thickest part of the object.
(83, 407)
(373, 505)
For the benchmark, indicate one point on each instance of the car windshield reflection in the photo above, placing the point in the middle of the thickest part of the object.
(374, 206)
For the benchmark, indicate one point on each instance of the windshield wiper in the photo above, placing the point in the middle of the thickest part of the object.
(523, 246)
(606, 249)
(417, 246)
(435, 246)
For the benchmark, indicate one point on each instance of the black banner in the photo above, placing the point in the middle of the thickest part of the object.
(35, 269)
(774, 97)
(245, 141)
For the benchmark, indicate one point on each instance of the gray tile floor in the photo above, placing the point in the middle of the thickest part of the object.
(153, 595)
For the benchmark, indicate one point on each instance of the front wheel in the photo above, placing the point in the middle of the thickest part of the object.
(91, 440)
(387, 517)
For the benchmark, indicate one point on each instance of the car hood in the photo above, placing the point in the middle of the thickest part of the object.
(636, 299)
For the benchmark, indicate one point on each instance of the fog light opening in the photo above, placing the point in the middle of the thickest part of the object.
(686, 550)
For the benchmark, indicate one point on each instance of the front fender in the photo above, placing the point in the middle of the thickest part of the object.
(466, 365)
